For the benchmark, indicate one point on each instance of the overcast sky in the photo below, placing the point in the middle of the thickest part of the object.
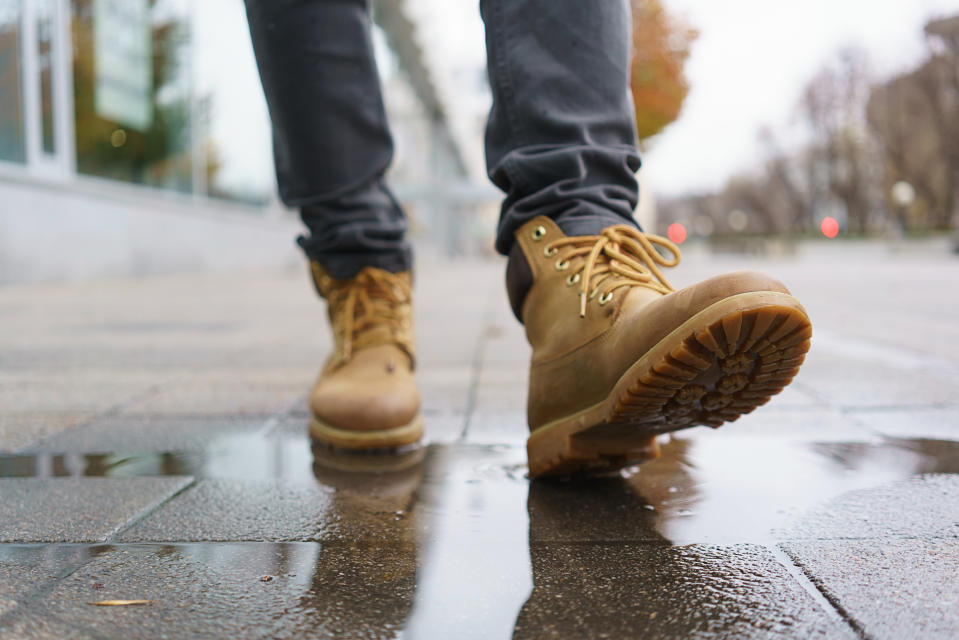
(747, 70)
(750, 63)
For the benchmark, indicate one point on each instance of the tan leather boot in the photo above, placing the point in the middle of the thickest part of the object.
(619, 356)
(366, 397)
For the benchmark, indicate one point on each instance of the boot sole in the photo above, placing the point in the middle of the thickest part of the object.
(367, 440)
(723, 362)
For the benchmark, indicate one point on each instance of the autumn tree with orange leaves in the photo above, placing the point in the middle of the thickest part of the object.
(661, 46)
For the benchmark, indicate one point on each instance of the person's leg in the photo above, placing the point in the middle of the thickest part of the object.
(331, 139)
(560, 140)
(332, 146)
(618, 355)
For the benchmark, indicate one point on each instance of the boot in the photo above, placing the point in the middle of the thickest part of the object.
(620, 356)
(365, 397)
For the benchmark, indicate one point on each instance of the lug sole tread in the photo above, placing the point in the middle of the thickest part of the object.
(711, 375)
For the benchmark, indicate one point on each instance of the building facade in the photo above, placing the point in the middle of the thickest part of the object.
(135, 139)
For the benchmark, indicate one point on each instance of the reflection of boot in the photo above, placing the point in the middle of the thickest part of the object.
(364, 581)
(365, 397)
(587, 590)
(620, 356)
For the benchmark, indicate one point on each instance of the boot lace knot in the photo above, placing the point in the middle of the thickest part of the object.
(374, 307)
(620, 256)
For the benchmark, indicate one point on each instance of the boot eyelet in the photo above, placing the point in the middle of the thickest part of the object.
(606, 297)
(539, 233)
(571, 280)
(549, 252)
(562, 265)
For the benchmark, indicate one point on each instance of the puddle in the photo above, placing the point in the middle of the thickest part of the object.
(731, 489)
(708, 487)
(447, 533)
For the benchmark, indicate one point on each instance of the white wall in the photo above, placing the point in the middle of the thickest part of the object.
(92, 229)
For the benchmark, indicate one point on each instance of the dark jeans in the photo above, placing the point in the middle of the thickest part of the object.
(560, 140)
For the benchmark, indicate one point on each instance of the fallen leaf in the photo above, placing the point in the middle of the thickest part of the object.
(119, 603)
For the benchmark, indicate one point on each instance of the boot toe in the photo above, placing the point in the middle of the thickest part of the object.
(373, 392)
(373, 408)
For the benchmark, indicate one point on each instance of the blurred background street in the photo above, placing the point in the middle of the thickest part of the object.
(160, 424)
(158, 337)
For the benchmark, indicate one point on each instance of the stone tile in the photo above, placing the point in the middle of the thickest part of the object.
(502, 387)
(631, 591)
(225, 398)
(921, 507)
(916, 422)
(71, 391)
(17, 430)
(23, 624)
(499, 397)
(286, 590)
(77, 509)
(797, 396)
(444, 388)
(590, 510)
(443, 427)
(805, 424)
(504, 426)
(844, 381)
(25, 570)
(889, 588)
(338, 506)
(148, 434)
(506, 345)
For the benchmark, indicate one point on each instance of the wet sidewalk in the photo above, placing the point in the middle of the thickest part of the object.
(153, 449)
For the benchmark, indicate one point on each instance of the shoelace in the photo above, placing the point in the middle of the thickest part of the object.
(374, 299)
(621, 253)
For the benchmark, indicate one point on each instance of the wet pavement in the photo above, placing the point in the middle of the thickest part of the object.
(153, 447)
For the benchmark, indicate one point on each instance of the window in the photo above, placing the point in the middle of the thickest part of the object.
(131, 91)
(12, 143)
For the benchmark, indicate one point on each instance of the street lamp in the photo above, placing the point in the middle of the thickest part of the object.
(903, 195)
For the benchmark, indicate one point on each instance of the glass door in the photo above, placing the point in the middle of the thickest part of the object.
(45, 86)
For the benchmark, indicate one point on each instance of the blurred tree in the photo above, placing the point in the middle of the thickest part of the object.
(939, 79)
(661, 46)
(834, 105)
(915, 119)
(865, 138)
(160, 155)
(789, 180)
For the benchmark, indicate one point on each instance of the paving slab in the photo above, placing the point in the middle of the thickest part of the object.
(445, 388)
(891, 589)
(631, 591)
(68, 392)
(236, 510)
(798, 423)
(21, 429)
(241, 591)
(858, 383)
(923, 507)
(26, 570)
(23, 624)
(145, 434)
(941, 423)
(498, 426)
(212, 398)
(77, 509)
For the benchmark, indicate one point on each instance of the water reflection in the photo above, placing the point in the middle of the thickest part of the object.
(455, 541)
(365, 588)
(720, 488)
